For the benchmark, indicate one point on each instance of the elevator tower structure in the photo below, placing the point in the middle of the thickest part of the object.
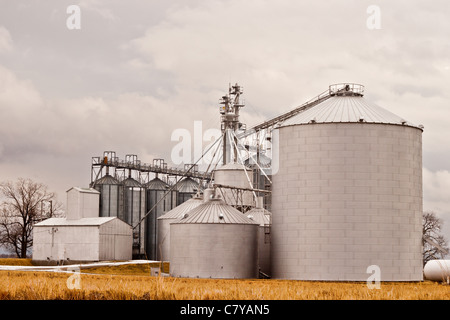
(231, 103)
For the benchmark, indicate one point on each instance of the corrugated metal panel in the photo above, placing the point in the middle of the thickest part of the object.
(84, 190)
(183, 208)
(234, 174)
(78, 222)
(215, 211)
(346, 109)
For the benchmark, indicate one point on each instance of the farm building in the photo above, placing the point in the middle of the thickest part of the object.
(82, 236)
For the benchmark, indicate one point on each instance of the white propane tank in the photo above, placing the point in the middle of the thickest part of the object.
(437, 270)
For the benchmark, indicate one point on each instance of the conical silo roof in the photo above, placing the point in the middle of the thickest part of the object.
(214, 211)
(259, 215)
(346, 109)
(130, 182)
(157, 184)
(264, 161)
(107, 179)
(183, 208)
(187, 185)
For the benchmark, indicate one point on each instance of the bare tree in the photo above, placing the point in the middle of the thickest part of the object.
(435, 245)
(25, 203)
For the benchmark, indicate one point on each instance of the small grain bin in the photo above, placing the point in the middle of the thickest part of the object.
(159, 203)
(214, 240)
(186, 188)
(235, 175)
(263, 218)
(134, 210)
(110, 196)
(164, 224)
(348, 192)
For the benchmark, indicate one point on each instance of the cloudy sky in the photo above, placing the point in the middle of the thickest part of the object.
(138, 70)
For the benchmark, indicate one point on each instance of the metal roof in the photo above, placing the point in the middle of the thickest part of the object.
(214, 211)
(130, 182)
(107, 179)
(264, 161)
(52, 222)
(187, 185)
(259, 215)
(84, 190)
(346, 109)
(183, 208)
(157, 184)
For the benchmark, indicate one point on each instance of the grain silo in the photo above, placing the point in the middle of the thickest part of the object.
(347, 193)
(186, 188)
(261, 166)
(134, 210)
(263, 218)
(110, 196)
(159, 203)
(235, 175)
(164, 224)
(214, 240)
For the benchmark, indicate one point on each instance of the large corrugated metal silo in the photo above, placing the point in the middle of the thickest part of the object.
(110, 196)
(347, 193)
(134, 210)
(164, 224)
(161, 203)
(235, 175)
(214, 240)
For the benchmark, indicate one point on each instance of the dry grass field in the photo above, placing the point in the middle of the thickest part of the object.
(134, 282)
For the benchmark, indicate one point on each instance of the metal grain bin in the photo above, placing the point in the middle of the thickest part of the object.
(263, 218)
(214, 240)
(134, 210)
(110, 196)
(187, 188)
(235, 175)
(164, 224)
(161, 203)
(348, 193)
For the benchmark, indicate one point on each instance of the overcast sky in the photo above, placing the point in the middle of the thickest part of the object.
(138, 70)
